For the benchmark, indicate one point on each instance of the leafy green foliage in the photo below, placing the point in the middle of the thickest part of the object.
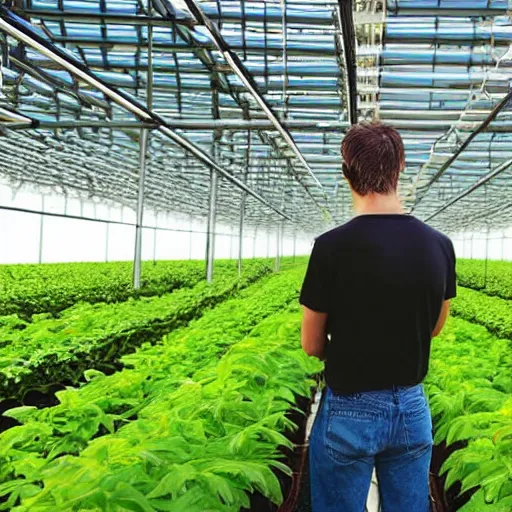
(54, 350)
(107, 404)
(493, 313)
(203, 446)
(470, 394)
(471, 274)
(50, 288)
(30, 289)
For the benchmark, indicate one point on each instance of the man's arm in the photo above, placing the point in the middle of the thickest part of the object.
(445, 310)
(313, 335)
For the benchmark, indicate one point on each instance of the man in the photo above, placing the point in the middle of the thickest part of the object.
(379, 286)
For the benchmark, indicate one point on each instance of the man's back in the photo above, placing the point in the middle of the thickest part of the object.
(382, 279)
(380, 285)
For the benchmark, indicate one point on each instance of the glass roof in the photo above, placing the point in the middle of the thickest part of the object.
(263, 90)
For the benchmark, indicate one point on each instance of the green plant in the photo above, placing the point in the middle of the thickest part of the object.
(493, 313)
(50, 288)
(470, 393)
(108, 403)
(58, 350)
(497, 282)
(204, 446)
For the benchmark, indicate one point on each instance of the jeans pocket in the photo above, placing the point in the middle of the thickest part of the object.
(415, 403)
(352, 430)
(418, 429)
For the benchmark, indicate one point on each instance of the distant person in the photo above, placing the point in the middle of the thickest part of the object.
(377, 290)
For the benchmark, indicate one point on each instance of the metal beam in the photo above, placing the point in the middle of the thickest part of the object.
(144, 138)
(140, 209)
(346, 22)
(18, 29)
(100, 221)
(277, 264)
(481, 128)
(11, 116)
(498, 170)
(243, 200)
(82, 123)
(210, 237)
(425, 125)
(247, 79)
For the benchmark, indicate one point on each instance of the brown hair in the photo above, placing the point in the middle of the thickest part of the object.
(373, 156)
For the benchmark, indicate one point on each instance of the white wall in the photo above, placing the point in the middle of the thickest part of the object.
(65, 240)
(497, 245)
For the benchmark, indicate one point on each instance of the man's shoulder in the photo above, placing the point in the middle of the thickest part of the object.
(444, 239)
(333, 235)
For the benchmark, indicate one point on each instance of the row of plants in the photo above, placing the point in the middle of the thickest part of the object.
(496, 280)
(49, 288)
(208, 445)
(30, 289)
(494, 313)
(51, 350)
(470, 393)
(108, 403)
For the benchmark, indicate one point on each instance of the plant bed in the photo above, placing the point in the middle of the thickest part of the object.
(204, 379)
(60, 350)
(470, 395)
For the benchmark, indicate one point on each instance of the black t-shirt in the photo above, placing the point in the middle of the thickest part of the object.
(382, 280)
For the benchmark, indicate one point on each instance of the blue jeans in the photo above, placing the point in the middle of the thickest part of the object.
(390, 430)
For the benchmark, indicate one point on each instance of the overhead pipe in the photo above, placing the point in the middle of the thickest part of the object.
(426, 125)
(497, 171)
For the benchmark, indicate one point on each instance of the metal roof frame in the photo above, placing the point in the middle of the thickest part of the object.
(268, 88)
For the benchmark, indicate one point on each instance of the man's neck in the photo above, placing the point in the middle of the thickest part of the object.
(373, 204)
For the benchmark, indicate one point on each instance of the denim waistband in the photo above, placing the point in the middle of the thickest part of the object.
(394, 389)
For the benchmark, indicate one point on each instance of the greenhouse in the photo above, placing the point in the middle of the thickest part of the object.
(166, 167)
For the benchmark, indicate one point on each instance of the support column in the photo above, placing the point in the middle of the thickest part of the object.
(281, 249)
(254, 241)
(41, 232)
(107, 240)
(210, 236)
(190, 238)
(486, 257)
(154, 244)
(231, 244)
(277, 265)
(140, 209)
(144, 136)
(243, 201)
(294, 244)
(241, 232)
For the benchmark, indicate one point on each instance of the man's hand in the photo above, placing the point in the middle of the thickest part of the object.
(313, 335)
